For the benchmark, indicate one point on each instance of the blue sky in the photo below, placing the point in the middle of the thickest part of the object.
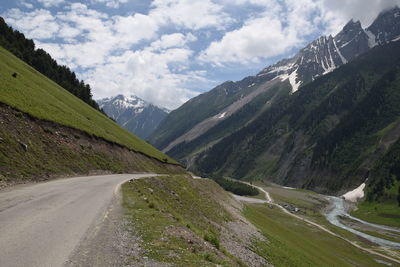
(167, 51)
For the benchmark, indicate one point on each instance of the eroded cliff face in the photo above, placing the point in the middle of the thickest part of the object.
(36, 150)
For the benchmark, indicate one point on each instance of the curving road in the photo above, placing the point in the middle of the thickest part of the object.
(42, 224)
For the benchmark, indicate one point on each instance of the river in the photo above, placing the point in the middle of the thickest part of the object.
(338, 209)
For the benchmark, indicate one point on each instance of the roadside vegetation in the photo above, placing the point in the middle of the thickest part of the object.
(379, 213)
(295, 243)
(32, 93)
(382, 204)
(181, 221)
(235, 187)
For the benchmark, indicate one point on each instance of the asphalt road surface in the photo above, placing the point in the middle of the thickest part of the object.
(42, 224)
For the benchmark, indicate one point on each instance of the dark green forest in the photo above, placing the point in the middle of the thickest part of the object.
(235, 187)
(24, 48)
(386, 173)
(227, 126)
(177, 122)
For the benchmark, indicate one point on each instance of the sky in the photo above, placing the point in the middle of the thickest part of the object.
(168, 51)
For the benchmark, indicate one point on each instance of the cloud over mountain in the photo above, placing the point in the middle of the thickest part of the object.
(167, 51)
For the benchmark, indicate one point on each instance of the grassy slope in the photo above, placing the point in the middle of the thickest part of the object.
(386, 212)
(33, 93)
(174, 216)
(157, 205)
(294, 243)
(380, 213)
(53, 150)
(312, 206)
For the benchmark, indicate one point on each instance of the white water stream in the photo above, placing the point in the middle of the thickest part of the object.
(338, 209)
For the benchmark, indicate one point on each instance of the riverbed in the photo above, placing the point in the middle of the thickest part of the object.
(337, 209)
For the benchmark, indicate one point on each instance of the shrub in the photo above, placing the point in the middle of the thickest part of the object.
(211, 238)
(235, 187)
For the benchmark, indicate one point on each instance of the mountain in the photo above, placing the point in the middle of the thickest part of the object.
(327, 136)
(274, 125)
(133, 113)
(320, 57)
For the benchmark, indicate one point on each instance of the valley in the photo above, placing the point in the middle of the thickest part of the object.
(326, 130)
(318, 211)
(296, 165)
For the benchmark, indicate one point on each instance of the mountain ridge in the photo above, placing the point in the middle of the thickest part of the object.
(327, 137)
(207, 151)
(133, 113)
(319, 57)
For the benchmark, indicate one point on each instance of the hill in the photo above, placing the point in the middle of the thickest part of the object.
(16, 43)
(48, 131)
(221, 231)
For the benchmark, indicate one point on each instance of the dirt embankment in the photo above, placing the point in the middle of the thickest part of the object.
(35, 150)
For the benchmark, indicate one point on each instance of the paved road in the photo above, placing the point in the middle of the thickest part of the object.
(41, 224)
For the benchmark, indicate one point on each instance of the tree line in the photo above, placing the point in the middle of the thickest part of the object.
(235, 187)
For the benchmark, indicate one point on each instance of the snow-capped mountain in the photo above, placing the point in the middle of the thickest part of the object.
(210, 118)
(326, 53)
(133, 113)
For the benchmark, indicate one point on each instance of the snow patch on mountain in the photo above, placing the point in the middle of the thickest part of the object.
(124, 102)
(371, 39)
(220, 116)
(337, 50)
(133, 113)
(294, 82)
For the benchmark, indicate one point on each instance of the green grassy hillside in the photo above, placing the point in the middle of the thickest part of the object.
(33, 93)
(186, 222)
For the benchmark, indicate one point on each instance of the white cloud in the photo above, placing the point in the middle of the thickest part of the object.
(68, 31)
(191, 14)
(153, 54)
(337, 13)
(110, 3)
(25, 4)
(132, 29)
(50, 3)
(100, 44)
(38, 23)
(279, 27)
(173, 40)
(147, 74)
(260, 37)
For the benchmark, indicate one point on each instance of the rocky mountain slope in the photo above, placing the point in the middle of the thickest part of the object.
(261, 126)
(328, 136)
(133, 113)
